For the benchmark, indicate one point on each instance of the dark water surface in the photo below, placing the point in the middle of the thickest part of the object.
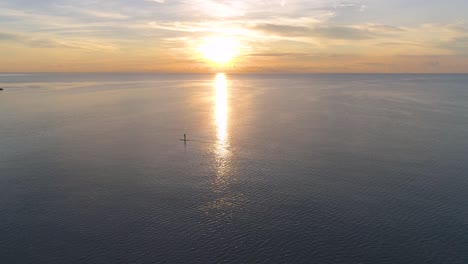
(326, 169)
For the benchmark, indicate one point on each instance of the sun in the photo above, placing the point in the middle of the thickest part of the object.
(219, 50)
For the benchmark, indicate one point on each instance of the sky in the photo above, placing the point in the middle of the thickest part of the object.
(270, 36)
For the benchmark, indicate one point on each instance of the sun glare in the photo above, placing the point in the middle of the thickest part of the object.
(219, 50)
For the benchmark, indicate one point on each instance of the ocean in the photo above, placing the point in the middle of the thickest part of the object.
(320, 168)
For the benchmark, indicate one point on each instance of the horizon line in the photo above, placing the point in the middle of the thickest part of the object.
(225, 72)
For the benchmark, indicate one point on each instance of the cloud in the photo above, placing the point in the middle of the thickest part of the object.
(343, 32)
(90, 12)
(330, 32)
(350, 6)
(48, 42)
(8, 37)
(276, 55)
(380, 28)
(458, 45)
(401, 44)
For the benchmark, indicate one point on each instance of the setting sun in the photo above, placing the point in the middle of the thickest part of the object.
(219, 50)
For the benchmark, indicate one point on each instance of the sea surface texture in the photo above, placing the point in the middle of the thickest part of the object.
(322, 169)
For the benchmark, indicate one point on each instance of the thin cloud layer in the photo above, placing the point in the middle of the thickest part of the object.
(273, 35)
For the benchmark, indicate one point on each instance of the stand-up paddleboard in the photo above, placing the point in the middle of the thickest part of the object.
(184, 139)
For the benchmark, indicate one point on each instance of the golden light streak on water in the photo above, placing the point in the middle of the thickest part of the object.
(221, 109)
(221, 147)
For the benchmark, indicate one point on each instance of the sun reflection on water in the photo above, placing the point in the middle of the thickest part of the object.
(222, 134)
(221, 113)
(221, 207)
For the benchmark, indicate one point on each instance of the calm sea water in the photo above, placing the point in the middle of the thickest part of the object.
(326, 169)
